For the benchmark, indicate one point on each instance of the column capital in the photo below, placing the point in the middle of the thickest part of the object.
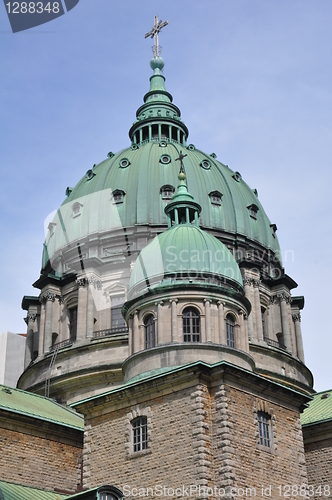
(174, 300)
(251, 282)
(284, 297)
(296, 317)
(47, 296)
(31, 317)
(256, 283)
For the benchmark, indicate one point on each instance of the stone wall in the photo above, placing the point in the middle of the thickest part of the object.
(201, 432)
(242, 463)
(39, 458)
(318, 455)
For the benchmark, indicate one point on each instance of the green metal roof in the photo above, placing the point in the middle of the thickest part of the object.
(180, 250)
(141, 178)
(319, 409)
(11, 491)
(161, 372)
(141, 182)
(38, 407)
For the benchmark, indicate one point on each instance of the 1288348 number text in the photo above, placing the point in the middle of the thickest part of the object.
(32, 7)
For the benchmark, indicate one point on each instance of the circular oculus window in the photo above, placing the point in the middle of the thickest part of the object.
(205, 164)
(124, 163)
(165, 159)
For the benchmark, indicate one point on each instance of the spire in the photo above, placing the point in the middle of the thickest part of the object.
(182, 209)
(158, 119)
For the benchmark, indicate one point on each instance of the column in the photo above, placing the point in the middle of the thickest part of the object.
(130, 335)
(41, 328)
(222, 329)
(270, 329)
(30, 319)
(247, 291)
(159, 339)
(298, 335)
(208, 333)
(135, 341)
(245, 333)
(284, 320)
(239, 336)
(258, 311)
(174, 320)
(90, 313)
(81, 308)
(62, 329)
(49, 298)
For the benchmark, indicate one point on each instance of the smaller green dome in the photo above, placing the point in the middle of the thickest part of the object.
(187, 254)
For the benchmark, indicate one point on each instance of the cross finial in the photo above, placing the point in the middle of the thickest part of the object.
(154, 32)
(181, 156)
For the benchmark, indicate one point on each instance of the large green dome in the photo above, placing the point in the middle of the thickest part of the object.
(143, 204)
(132, 187)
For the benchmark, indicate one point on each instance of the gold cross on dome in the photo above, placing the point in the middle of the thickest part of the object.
(154, 32)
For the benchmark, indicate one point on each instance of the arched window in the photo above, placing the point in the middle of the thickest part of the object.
(150, 331)
(230, 330)
(54, 338)
(139, 428)
(191, 325)
(263, 322)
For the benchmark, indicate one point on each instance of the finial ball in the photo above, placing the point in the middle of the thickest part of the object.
(181, 176)
(157, 63)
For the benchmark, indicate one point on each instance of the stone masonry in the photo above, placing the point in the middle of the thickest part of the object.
(203, 433)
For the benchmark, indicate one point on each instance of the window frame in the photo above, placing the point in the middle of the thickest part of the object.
(230, 330)
(150, 331)
(264, 429)
(73, 311)
(117, 319)
(191, 325)
(139, 434)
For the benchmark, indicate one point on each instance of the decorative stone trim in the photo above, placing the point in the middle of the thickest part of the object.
(284, 296)
(89, 280)
(225, 453)
(301, 455)
(296, 317)
(47, 296)
(31, 317)
(201, 436)
(251, 282)
(263, 406)
(87, 457)
(276, 299)
(134, 413)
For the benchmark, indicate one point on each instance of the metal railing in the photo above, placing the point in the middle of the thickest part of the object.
(109, 332)
(61, 345)
(275, 343)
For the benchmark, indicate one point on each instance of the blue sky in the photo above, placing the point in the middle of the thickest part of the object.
(253, 82)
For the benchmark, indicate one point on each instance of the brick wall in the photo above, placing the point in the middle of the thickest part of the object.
(39, 461)
(318, 457)
(241, 462)
(204, 435)
(170, 459)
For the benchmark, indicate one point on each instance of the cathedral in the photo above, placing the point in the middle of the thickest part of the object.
(164, 353)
